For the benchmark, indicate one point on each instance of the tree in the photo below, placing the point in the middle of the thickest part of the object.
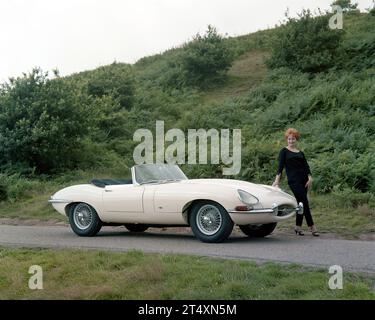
(372, 10)
(346, 5)
(115, 80)
(206, 58)
(42, 122)
(306, 44)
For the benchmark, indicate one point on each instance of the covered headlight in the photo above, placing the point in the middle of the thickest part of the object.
(247, 198)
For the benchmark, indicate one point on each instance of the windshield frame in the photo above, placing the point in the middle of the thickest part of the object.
(138, 181)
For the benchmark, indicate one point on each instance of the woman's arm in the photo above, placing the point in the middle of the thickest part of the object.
(280, 168)
(310, 180)
(277, 180)
(307, 165)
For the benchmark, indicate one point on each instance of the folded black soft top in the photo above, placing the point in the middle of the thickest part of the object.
(110, 182)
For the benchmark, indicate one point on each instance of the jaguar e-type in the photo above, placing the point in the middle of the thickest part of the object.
(160, 195)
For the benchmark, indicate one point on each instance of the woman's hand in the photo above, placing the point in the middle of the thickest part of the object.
(277, 181)
(309, 183)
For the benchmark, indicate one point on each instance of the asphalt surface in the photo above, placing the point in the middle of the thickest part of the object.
(351, 255)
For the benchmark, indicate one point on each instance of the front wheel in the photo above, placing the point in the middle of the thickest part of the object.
(84, 220)
(258, 231)
(210, 222)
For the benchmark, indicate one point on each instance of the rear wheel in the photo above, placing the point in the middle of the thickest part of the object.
(134, 227)
(84, 220)
(210, 222)
(258, 230)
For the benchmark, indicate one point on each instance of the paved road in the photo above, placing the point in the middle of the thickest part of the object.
(350, 255)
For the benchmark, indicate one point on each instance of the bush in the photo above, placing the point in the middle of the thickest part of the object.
(3, 190)
(360, 52)
(344, 170)
(350, 197)
(259, 161)
(116, 81)
(346, 5)
(306, 44)
(14, 187)
(42, 122)
(205, 59)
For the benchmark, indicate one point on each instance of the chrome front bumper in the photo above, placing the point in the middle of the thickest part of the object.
(274, 210)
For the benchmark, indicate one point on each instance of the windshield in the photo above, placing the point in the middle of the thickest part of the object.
(156, 173)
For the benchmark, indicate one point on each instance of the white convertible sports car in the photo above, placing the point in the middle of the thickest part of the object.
(160, 195)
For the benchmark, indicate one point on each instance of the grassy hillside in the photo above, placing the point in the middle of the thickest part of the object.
(334, 110)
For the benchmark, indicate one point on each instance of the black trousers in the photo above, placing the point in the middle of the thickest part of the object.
(300, 192)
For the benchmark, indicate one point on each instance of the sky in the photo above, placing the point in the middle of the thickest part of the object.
(78, 35)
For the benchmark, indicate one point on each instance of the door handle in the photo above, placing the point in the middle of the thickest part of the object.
(108, 190)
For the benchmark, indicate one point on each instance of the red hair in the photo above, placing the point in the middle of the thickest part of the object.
(293, 132)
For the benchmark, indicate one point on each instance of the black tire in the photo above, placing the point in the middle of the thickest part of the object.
(258, 231)
(135, 227)
(87, 226)
(210, 222)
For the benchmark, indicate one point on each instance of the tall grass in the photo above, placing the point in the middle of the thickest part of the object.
(70, 274)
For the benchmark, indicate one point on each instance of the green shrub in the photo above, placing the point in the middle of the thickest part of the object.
(41, 123)
(14, 187)
(228, 114)
(205, 59)
(259, 161)
(306, 44)
(350, 197)
(3, 190)
(344, 170)
(116, 80)
(346, 5)
(360, 52)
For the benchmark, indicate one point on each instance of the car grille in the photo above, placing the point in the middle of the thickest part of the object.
(284, 210)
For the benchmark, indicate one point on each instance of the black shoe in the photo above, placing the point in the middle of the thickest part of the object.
(314, 232)
(298, 232)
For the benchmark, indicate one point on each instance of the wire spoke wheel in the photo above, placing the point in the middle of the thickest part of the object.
(209, 219)
(84, 220)
(82, 216)
(210, 222)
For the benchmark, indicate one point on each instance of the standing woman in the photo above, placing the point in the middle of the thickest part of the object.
(299, 178)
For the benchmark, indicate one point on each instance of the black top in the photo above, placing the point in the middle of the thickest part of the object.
(296, 166)
(109, 182)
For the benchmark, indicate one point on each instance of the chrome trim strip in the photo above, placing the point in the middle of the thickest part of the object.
(59, 201)
(253, 211)
(134, 180)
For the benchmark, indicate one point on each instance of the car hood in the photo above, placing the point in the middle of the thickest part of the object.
(253, 188)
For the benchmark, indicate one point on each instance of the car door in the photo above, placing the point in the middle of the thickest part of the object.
(123, 202)
(169, 199)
